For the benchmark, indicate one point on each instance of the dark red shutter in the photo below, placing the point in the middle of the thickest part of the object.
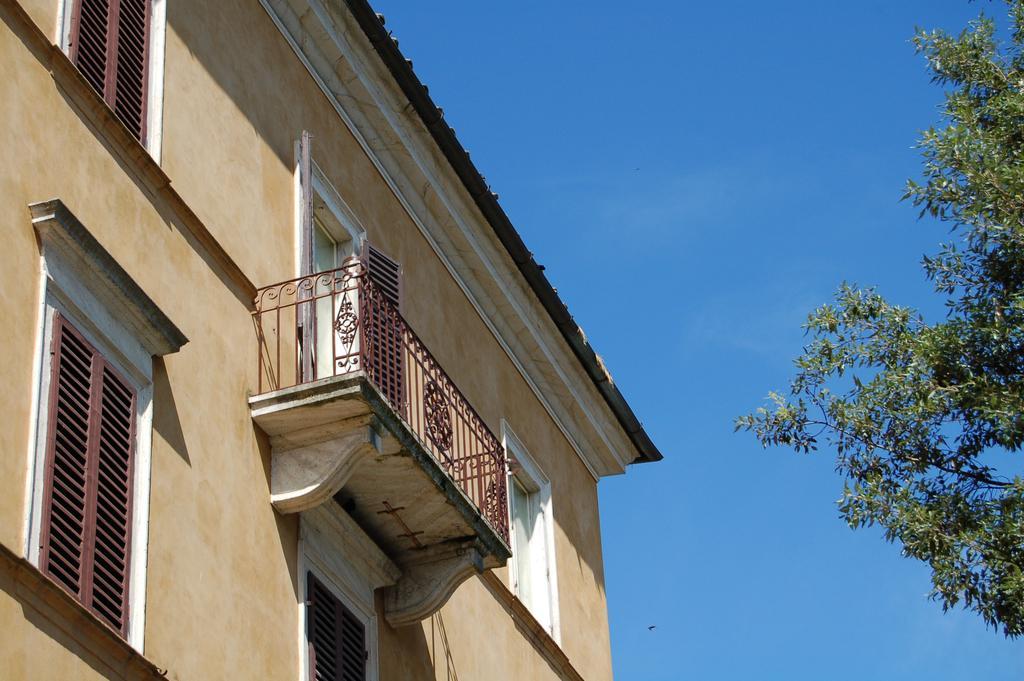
(130, 72)
(386, 274)
(337, 637)
(87, 502)
(89, 41)
(383, 329)
(110, 46)
(64, 506)
(113, 500)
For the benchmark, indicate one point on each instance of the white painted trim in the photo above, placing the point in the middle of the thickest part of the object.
(525, 469)
(297, 190)
(341, 211)
(428, 235)
(297, 217)
(140, 520)
(155, 102)
(157, 55)
(63, 29)
(37, 447)
(40, 386)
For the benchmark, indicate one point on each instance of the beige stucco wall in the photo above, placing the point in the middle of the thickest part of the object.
(221, 572)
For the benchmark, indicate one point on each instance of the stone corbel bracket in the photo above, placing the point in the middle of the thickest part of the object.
(427, 584)
(309, 467)
(339, 433)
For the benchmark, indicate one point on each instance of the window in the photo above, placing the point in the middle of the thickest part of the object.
(533, 567)
(117, 46)
(339, 569)
(89, 464)
(87, 499)
(337, 638)
(327, 230)
(328, 233)
(328, 254)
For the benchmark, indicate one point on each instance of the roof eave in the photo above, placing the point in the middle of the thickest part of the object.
(401, 69)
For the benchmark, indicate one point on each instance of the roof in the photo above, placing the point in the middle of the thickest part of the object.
(386, 47)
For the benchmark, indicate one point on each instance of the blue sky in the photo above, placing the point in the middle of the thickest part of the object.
(697, 177)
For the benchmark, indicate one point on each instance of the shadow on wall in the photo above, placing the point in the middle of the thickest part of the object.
(415, 663)
(168, 206)
(48, 621)
(245, 54)
(580, 518)
(439, 635)
(165, 412)
(287, 525)
(422, 659)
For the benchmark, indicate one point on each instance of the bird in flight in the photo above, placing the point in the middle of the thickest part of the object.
(651, 628)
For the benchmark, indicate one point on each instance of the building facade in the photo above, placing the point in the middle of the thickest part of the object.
(287, 396)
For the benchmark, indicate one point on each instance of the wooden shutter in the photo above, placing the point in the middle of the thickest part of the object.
(337, 637)
(307, 318)
(87, 500)
(110, 46)
(386, 274)
(384, 328)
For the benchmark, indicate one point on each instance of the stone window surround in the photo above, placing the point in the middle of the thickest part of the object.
(324, 191)
(82, 281)
(524, 468)
(350, 565)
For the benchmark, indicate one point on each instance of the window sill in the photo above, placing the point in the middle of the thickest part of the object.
(46, 603)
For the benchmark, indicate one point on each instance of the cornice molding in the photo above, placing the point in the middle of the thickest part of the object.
(64, 238)
(39, 594)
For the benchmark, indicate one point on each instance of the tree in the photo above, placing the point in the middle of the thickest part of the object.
(926, 418)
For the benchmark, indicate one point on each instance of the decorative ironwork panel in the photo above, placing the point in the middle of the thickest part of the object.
(339, 322)
(437, 417)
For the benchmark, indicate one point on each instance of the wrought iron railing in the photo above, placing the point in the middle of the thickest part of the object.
(338, 322)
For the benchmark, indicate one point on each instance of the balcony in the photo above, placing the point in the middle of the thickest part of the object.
(360, 415)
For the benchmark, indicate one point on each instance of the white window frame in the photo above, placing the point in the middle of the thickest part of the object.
(350, 565)
(350, 226)
(157, 50)
(65, 293)
(524, 469)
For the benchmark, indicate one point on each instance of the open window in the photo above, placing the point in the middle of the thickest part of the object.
(328, 233)
(334, 238)
(532, 568)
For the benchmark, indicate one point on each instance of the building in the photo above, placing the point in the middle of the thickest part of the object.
(287, 396)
